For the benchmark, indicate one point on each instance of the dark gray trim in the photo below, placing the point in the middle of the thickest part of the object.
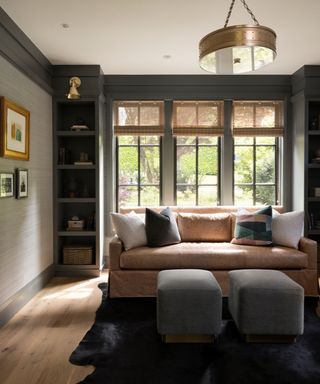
(25, 294)
(91, 77)
(306, 80)
(249, 87)
(19, 50)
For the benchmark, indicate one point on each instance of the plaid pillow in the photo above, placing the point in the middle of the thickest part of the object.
(253, 228)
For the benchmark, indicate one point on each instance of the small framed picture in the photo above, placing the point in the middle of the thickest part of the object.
(21, 183)
(6, 184)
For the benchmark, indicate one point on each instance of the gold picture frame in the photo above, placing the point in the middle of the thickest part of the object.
(14, 130)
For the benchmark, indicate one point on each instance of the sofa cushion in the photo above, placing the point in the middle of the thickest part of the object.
(253, 228)
(204, 227)
(161, 228)
(287, 228)
(213, 256)
(130, 229)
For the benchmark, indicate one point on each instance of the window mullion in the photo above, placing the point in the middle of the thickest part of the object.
(197, 170)
(254, 168)
(226, 158)
(139, 171)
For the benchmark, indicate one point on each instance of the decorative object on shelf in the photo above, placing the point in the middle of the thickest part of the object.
(6, 184)
(91, 222)
(74, 83)
(79, 125)
(77, 254)
(317, 191)
(72, 187)
(64, 156)
(75, 224)
(316, 158)
(14, 129)
(22, 184)
(83, 159)
(314, 123)
(238, 48)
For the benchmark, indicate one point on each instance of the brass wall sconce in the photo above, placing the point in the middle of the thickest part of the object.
(74, 83)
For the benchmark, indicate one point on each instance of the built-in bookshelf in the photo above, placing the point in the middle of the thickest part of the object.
(76, 187)
(313, 169)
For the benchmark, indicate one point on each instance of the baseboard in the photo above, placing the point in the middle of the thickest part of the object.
(19, 299)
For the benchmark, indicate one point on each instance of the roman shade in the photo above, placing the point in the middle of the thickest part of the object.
(138, 118)
(198, 118)
(258, 118)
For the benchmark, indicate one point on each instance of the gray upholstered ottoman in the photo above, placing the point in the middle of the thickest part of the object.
(266, 305)
(189, 305)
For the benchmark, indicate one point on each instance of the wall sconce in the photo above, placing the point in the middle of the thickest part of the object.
(74, 83)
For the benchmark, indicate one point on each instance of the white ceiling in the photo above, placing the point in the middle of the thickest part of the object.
(133, 36)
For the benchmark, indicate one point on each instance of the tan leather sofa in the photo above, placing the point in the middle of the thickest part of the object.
(133, 273)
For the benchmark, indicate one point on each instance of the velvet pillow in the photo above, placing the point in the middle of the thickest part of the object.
(287, 228)
(130, 229)
(161, 228)
(253, 228)
(204, 226)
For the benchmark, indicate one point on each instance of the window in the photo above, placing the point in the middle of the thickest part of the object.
(138, 127)
(197, 126)
(257, 127)
(191, 171)
(197, 170)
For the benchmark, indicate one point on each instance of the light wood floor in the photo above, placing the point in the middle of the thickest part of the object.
(36, 343)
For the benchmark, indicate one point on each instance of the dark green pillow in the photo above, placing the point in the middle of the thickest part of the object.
(161, 228)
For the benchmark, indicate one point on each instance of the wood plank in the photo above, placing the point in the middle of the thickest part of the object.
(37, 342)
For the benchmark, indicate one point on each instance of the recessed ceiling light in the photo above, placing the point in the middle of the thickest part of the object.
(65, 25)
(166, 56)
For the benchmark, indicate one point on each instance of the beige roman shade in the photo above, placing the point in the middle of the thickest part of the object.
(138, 118)
(198, 118)
(258, 118)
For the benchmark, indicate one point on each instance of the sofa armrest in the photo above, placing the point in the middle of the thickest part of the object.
(115, 250)
(309, 247)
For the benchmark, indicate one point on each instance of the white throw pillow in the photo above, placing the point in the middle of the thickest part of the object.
(287, 228)
(130, 229)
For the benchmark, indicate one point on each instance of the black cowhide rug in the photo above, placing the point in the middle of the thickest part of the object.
(125, 348)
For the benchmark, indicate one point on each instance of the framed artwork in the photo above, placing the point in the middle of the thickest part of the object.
(6, 184)
(21, 183)
(14, 130)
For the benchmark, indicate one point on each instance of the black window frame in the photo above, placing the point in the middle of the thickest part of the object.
(197, 145)
(138, 185)
(254, 184)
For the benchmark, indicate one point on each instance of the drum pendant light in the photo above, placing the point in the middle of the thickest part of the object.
(238, 48)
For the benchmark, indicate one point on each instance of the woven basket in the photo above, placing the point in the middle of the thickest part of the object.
(77, 254)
